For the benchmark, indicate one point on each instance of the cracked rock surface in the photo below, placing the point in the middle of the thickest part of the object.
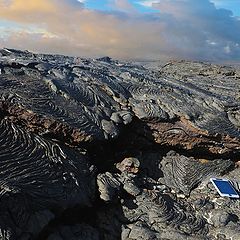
(104, 149)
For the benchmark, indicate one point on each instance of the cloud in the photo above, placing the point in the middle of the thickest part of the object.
(148, 3)
(190, 29)
(124, 5)
(201, 22)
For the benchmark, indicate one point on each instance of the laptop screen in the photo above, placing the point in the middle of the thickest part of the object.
(225, 187)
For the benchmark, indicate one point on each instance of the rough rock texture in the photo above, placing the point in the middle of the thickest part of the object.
(103, 149)
(184, 173)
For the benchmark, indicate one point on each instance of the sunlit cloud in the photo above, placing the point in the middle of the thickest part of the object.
(124, 5)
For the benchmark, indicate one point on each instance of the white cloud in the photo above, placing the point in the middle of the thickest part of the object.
(148, 3)
(211, 42)
(227, 49)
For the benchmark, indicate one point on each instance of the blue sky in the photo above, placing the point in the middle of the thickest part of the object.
(233, 5)
(125, 29)
(104, 5)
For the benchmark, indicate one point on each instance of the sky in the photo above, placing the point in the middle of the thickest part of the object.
(124, 29)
